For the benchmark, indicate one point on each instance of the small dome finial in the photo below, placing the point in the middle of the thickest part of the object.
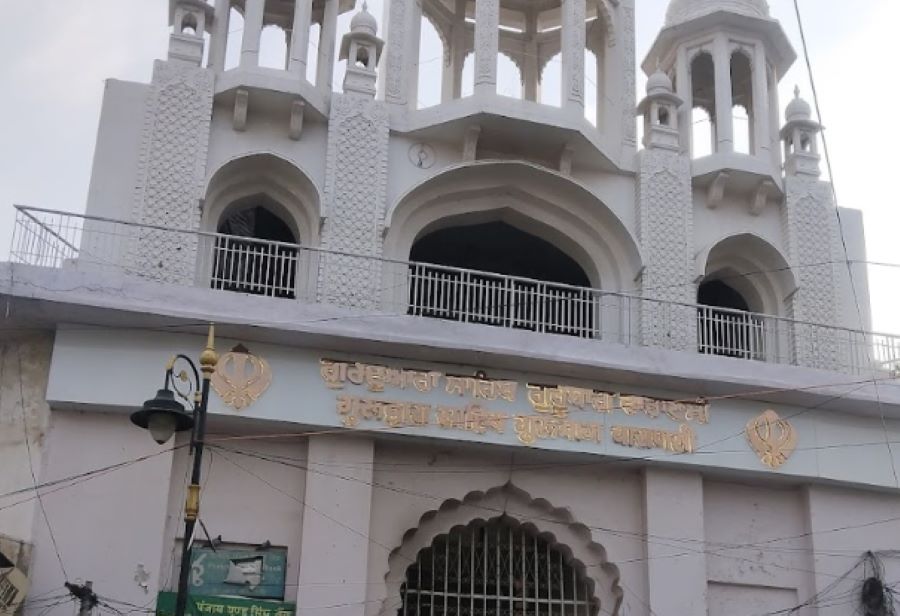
(798, 109)
(363, 21)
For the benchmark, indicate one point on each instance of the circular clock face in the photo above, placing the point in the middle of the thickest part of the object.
(421, 155)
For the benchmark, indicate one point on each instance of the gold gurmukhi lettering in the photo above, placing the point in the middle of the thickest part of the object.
(481, 388)
(531, 428)
(680, 441)
(473, 418)
(558, 400)
(376, 377)
(355, 410)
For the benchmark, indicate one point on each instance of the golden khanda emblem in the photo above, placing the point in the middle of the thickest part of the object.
(772, 438)
(241, 377)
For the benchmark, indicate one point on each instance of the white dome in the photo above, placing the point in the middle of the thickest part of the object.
(659, 83)
(363, 21)
(798, 109)
(680, 11)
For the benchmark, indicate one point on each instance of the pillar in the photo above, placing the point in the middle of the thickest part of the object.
(335, 541)
(253, 23)
(219, 39)
(572, 45)
(676, 571)
(724, 122)
(487, 41)
(685, 90)
(300, 38)
(531, 65)
(762, 137)
(325, 66)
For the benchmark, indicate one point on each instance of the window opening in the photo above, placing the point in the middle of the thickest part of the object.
(725, 324)
(252, 254)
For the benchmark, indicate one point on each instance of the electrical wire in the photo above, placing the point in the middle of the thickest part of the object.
(28, 453)
(840, 226)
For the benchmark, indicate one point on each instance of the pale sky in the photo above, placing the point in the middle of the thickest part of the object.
(57, 54)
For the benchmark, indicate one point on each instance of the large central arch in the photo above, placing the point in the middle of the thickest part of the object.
(529, 197)
(536, 212)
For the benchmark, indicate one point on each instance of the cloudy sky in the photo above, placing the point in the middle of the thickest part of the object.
(57, 55)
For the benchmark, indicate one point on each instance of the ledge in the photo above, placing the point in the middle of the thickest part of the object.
(35, 297)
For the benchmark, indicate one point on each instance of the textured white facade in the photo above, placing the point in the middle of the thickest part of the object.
(487, 242)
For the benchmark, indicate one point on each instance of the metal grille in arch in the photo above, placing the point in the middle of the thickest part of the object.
(497, 568)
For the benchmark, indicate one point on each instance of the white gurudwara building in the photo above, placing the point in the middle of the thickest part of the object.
(494, 356)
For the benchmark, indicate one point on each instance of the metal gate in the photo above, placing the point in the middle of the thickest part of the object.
(495, 569)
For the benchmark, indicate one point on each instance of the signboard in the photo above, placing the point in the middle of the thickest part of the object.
(203, 605)
(13, 587)
(244, 572)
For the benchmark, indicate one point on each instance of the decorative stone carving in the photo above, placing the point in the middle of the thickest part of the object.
(487, 37)
(665, 230)
(629, 87)
(395, 75)
(810, 227)
(171, 171)
(355, 200)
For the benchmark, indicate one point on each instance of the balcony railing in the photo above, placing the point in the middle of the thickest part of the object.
(281, 270)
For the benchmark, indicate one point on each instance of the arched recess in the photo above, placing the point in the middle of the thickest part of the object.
(252, 188)
(510, 505)
(742, 277)
(529, 197)
(753, 267)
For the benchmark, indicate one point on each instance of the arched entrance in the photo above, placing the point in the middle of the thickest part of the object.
(496, 274)
(496, 568)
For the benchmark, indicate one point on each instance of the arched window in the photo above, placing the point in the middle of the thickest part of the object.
(273, 47)
(256, 253)
(703, 92)
(495, 568)
(725, 325)
(496, 274)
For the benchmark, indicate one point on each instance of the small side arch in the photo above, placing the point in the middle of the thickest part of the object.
(753, 267)
(286, 190)
(555, 525)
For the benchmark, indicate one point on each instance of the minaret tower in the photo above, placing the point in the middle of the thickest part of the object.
(724, 55)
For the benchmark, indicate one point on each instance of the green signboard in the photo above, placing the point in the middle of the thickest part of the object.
(246, 572)
(203, 605)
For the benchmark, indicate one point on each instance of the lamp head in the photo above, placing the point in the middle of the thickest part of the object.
(163, 416)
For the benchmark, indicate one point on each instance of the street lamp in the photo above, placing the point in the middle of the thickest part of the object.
(163, 416)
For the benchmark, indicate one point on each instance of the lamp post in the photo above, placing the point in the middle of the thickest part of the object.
(163, 415)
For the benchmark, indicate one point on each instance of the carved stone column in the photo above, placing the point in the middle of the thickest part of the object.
(401, 53)
(813, 242)
(171, 171)
(487, 41)
(219, 38)
(355, 201)
(300, 38)
(724, 119)
(762, 130)
(325, 66)
(253, 23)
(572, 44)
